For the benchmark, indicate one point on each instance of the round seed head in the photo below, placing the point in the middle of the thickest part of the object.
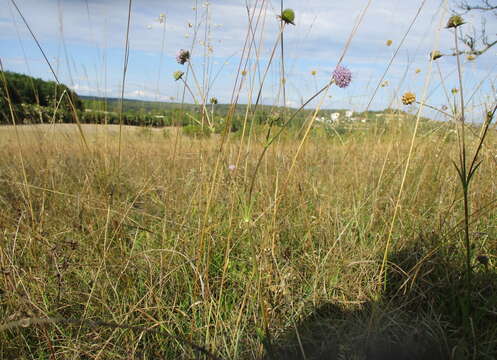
(213, 101)
(389, 42)
(408, 98)
(471, 57)
(455, 21)
(288, 16)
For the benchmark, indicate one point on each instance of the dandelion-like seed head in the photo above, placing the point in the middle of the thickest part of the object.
(178, 75)
(288, 16)
(389, 42)
(183, 56)
(434, 55)
(455, 21)
(408, 98)
(342, 76)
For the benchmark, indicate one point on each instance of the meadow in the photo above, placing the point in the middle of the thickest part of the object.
(371, 239)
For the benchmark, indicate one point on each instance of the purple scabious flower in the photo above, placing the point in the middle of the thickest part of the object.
(183, 56)
(342, 76)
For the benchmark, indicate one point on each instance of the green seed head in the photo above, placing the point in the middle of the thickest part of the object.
(455, 21)
(178, 75)
(288, 16)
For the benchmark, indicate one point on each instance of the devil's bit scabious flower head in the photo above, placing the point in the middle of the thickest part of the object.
(288, 16)
(178, 75)
(408, 98)
(342, 76)
(434, 55)
(183, 56)
(455, 21)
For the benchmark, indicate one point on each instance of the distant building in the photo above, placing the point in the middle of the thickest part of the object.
(348, 114)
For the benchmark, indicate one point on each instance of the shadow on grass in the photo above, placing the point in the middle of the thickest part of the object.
(420, 315)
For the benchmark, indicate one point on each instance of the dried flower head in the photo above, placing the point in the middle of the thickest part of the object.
(418, 71)
(471, 57)
(342, 76)
(445, 107)
(183, 56)
(454, 91)
(434, 55)
(288, 16)
(244, 72)
(178, 75)
(313, 72)
(389, 42)
(455, 21)
(213, 100)
(385, 83)
(408, 98)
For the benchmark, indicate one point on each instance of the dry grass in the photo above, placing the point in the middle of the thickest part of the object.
(82, 241)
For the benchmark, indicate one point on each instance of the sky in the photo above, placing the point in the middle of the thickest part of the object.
(84, 41)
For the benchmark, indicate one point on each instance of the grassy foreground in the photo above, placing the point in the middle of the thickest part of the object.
(168, 253)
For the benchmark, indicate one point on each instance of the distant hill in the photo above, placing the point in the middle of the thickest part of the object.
(24, 89)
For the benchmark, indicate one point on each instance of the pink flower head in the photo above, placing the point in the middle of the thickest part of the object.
(342, 76)
(183, 56)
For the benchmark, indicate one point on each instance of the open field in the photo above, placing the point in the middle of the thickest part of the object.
(168, 250)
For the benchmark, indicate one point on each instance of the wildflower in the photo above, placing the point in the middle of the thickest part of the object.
(454, 91)
(342, 76)
(183, 56)
(213, 101)
(455, 21)
(389, 42)
(471, 57)
(288, 16)
(408, 98)
(232, 167)
(313, 72)
(434, 55)
(178, 75)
